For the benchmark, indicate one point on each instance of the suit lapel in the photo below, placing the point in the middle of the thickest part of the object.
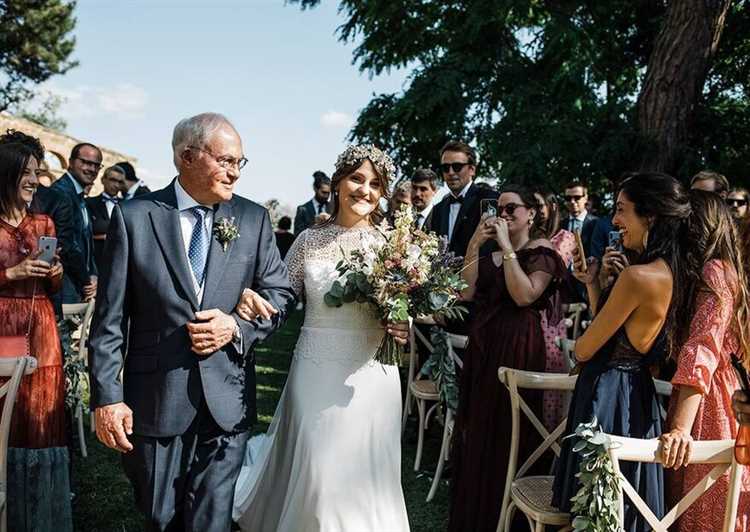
(217, 257)
(465, 209)
(166, 224)
(311, 211)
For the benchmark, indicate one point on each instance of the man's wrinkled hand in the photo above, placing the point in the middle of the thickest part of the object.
(253, 305)
(89, 290)
(114, 423)
(211, 331)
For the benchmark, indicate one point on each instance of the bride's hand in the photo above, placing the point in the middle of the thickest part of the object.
(399, 330)
(252, 305)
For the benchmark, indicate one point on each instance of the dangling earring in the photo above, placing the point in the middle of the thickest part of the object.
(531, 222)
(645, 240)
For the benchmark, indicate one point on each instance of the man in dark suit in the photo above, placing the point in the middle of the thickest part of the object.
(133, 186)
(83, 167)
(458, 213)
(424, 185)
(579, 219)
(174, 270)
(100, 208)
(308, 212)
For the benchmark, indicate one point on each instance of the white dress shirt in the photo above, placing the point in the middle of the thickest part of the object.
(580, 218)
(421, 216)
(318, 206)
(131, 190)
(110, 205)
(454, 209)
(79, 191)
(185, 202)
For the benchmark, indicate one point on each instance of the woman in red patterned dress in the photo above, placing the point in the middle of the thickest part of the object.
(38, 479)
(714, 325)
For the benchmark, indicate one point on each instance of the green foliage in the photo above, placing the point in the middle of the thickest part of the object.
(74, 367)
(545, 90)
(441, 368)
(35, 44)
(595, 505)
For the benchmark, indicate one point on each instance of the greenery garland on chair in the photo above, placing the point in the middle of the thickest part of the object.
(74, 367)
(441, 368)
(595, 506)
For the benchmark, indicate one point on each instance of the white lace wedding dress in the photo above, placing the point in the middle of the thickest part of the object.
(331, 459)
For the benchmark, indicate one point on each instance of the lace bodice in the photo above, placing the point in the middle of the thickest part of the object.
(312, 263)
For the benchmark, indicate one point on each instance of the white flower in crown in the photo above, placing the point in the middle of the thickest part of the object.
(354, 156)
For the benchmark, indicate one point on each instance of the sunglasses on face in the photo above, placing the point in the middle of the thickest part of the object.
(508, 208)
(573, 198)
(456, 167)
(732, 202)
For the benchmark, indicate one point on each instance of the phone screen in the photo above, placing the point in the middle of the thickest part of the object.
(489, 207)
(615, 240)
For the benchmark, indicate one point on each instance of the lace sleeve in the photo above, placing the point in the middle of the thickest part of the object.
(295, 263)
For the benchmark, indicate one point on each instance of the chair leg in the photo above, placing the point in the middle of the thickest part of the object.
(420, 439)
(407, 408)
(92, 422)
(539, 527)
(442, 458)
(81, 432)
(509, 513)
(432, 410)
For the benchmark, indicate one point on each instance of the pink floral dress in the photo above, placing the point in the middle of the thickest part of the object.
(704, 363)
(552, 410)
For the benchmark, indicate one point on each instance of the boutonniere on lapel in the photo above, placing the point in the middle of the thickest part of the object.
(225, 231)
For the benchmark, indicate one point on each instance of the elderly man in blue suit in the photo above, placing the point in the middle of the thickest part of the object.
(176, 263)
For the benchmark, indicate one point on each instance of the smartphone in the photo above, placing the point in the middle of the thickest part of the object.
(615, 240)
(47, 248)
(489, 207)
(581, 252)
(741, 373)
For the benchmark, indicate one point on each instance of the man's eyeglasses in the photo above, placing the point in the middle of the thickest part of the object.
(456, 167)
(93, 164)
(225, 161)
(573, 198)
(736, 202)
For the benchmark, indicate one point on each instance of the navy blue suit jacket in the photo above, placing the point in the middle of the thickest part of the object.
(146, 291)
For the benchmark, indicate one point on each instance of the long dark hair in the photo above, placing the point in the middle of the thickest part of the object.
(711, 234)
(551, 225)
(13, 160)
(537, 229)
(662, 200)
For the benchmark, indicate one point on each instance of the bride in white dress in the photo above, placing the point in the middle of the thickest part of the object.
(331, 459)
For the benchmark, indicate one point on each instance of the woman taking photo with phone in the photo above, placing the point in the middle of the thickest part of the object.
(630, 333)
(711, 325)
(38, 480)
(511, 288)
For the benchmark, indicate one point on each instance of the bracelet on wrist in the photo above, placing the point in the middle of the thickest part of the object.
(509, 256)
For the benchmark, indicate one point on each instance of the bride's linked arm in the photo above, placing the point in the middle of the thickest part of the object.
(252, 305)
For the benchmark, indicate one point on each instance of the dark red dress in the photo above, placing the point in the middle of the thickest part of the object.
(38, 483)
(502, 334)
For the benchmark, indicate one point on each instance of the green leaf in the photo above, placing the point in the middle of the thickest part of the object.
(331, 300)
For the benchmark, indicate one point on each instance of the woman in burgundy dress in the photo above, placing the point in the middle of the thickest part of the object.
(511, 289)
(38, 480)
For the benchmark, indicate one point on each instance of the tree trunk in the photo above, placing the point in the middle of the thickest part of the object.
(676, 73)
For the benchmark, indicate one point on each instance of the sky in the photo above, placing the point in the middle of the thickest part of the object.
(278, 73)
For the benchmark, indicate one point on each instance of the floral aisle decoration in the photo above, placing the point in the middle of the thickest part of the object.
(595, 505)
(441, 368)
(74, 366)
(404, 274)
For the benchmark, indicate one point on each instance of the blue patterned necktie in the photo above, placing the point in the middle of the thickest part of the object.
(198, 250)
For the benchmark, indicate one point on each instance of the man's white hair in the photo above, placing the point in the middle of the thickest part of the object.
(196, 131)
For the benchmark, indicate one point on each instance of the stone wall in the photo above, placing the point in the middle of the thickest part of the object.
(59, 145)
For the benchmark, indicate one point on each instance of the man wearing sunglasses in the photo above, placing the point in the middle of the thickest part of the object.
(458, 213)
(710, 181)
(737, 201)
(579, 218)
(83, 167)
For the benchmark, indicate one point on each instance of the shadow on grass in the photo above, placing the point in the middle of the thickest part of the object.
(104, 501)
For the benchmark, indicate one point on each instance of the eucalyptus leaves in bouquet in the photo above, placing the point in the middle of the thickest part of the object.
(405, 274)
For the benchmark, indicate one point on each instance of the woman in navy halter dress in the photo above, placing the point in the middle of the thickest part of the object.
(630, 335)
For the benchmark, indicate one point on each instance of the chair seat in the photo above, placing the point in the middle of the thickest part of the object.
(533, 496)
(425, 389)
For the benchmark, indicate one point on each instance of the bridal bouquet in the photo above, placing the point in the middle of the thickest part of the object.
(405, 274)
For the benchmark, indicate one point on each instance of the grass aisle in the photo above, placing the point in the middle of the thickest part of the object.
(104, 500)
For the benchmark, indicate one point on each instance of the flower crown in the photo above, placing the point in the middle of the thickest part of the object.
(355, 155)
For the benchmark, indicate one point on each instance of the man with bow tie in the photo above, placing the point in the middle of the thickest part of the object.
(100, 208)
(458, 213)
